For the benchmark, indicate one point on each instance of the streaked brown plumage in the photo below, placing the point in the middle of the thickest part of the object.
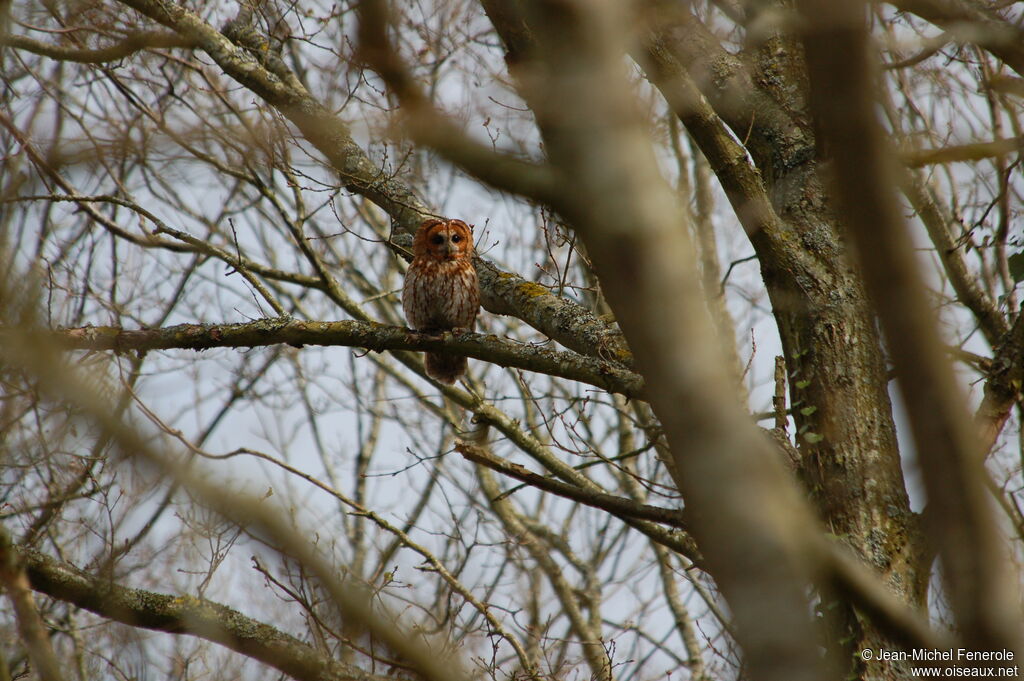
(441, 291)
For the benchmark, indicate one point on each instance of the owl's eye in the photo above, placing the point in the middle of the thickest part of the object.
(437, 239)
(456, 238)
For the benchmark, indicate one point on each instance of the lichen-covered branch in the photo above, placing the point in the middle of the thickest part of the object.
(332, 137)
(562, 320)
(185, 615)
(378, 337)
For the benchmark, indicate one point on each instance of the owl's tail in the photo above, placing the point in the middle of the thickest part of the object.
(445, 368)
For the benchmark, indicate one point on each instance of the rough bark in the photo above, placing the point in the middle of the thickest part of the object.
(837, 375)
(974, 559)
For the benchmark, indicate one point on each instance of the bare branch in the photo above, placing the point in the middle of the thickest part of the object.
(369, 335)
(133, 42)
(620, 506)
(186, 615)
(963, 152)
(430, 127)
(974, 22)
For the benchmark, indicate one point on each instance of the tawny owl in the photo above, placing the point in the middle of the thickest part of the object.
(441, 290)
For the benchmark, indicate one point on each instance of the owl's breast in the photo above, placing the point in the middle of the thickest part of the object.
(441, 294)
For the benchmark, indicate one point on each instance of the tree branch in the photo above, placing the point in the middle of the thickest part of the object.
(975, 23)
(863, 586)
(981, 590)
(741, 180)
(747, 516)
(776, 141)
(372, 336)
(133, 42)
(975, 151)
(618, 506)
(30, 625)
(185, 615)
(332, 138)
(40, 358)
(430, 127)
(938, 222)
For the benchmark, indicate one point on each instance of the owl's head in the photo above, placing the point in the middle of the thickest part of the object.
(443, 240)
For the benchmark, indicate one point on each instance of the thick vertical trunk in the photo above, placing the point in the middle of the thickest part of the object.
(834, 357)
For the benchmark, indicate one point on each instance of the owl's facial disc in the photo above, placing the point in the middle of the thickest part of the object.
(447, 242)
